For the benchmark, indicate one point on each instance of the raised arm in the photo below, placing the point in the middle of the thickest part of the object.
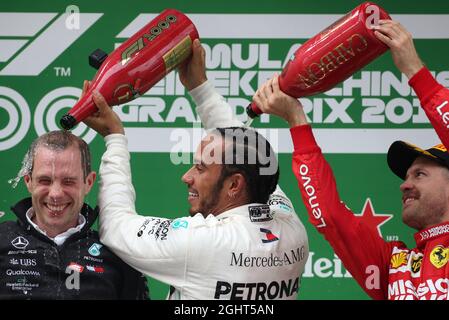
(211, 107)
(350, 239)
(144, 242)
(433, 96)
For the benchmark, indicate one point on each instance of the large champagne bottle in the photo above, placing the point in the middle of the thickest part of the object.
(333, 55)
(138, 64)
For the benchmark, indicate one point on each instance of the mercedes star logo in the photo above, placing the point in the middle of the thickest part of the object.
(20, 243)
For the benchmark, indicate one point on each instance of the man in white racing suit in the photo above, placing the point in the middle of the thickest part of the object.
(234, 245)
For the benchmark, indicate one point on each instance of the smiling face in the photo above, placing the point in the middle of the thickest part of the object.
(206, 189)
(425, 199)
(57, 188)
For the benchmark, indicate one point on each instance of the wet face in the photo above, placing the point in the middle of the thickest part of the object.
(207, 194)
(57, 188)
(425, 194)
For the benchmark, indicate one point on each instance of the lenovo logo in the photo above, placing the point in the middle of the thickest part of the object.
(311, 197)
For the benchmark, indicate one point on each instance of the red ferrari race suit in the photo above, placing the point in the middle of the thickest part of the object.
(402, 273)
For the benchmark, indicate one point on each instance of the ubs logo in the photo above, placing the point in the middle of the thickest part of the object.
(20, 243)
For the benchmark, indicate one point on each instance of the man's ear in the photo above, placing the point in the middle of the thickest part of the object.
(90, 179)
(27, 180)
(237, 185)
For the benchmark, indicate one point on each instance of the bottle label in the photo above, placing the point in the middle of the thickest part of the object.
(151, 35)
(341, 55)
(124, 93)
(177, 54)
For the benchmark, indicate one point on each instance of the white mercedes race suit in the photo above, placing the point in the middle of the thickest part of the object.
(255, 251)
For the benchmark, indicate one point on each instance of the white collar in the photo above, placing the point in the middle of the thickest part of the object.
(62, 237)
(242, 210)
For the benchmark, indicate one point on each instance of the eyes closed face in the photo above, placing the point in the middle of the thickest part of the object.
(57, 188)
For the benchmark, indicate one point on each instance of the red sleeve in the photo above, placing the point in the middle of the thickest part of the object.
(357, 245)
(434, 99)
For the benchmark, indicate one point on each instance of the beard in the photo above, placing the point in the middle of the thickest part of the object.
(427, 212)
(209, 203)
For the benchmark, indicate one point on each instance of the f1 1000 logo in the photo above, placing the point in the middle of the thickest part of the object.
(140, 43)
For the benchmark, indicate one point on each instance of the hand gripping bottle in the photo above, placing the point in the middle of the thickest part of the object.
(333, 55)
(137, 64)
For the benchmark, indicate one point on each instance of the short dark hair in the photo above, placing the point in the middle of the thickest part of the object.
(58, 140)
(253, 157)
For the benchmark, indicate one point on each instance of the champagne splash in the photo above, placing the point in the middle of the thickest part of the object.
(14, 182)
(27, 164)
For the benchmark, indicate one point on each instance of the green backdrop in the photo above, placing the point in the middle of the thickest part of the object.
(43, 64)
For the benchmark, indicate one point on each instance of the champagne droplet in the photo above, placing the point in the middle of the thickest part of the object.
(14, 182)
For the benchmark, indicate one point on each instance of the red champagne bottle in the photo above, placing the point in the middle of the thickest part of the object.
(138, 64)
(333, 55)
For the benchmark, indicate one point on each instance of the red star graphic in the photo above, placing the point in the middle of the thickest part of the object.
(371, 218)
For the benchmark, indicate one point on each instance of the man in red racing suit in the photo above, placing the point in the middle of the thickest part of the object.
(390, 270)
